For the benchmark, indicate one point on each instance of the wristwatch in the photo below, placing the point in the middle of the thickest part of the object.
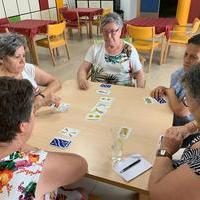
(163, 153)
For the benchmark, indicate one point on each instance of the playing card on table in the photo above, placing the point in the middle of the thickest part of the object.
(60, 143)
(100, 107)
(70, 132)
(160, 100)
(103, 92)
(149, 100)
(93, 116)
(107, 100)
(124, 132)
(103, 85)
(63, 107)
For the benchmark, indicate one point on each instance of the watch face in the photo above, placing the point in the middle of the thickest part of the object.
(162, 152)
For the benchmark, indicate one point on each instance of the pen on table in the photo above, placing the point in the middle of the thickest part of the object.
(129, 166)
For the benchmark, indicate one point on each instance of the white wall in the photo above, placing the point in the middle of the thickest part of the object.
(130, 8)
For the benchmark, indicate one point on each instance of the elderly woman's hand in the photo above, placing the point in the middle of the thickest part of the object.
(183, 131)
(51, 99)
(159, 92)
(83, 83)
(172, 141)
(47, 100)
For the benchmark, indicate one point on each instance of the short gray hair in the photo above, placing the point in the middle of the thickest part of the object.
(112, 18)
(9, 43)
(191, 82)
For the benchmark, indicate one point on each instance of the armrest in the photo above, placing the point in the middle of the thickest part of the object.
(183, 26)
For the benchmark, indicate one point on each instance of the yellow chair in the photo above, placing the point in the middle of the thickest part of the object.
(97, 21)
(181, 34)
(56, 37)
(145, 39)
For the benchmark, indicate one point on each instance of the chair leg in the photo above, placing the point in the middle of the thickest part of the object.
(57, 52)
(52, 56)
(162, 53)
(67, 49)
(87, 30)
(150, 60)
(70, 33)
(80, 31)
(166, 52)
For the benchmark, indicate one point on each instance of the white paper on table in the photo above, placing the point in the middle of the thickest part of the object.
(135, 170)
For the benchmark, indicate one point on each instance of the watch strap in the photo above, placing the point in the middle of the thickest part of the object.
(163, 153)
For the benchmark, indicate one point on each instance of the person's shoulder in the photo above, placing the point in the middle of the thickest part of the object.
(29, 67)
(29, 70)
(128, 45)
(178, 72)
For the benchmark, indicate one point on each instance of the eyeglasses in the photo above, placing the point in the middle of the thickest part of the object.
(184, 101)
(112, 32)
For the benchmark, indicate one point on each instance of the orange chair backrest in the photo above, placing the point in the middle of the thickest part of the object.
(141, 33)
(195, 26)
(56, 29)
(106, 11)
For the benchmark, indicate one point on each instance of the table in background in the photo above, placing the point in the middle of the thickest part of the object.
(86, 12)
(29, 28)
(128, 109)
(161, 24)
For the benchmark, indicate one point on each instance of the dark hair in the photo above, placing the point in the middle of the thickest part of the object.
(9, 43)
(191, 82)
(16, 97)
(194, 40)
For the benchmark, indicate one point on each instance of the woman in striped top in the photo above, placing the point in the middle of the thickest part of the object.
(179, 179)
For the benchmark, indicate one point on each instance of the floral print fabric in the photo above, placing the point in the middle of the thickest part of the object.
(19, 174)
(115, 69)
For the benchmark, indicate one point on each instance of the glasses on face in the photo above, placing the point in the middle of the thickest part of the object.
(112, 32)
(184, 101)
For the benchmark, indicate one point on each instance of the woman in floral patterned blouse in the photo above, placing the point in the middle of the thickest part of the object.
(112, 61)
(26, 172)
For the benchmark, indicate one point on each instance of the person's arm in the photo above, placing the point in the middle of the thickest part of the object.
(175, 104)
(82, 75)
(51, 84)
(186, 130)
(181, 183)
(45, 79)
(166, 183)
(60, 169)
(139, 76)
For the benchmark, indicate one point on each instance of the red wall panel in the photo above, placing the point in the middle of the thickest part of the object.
(194, 10)
(44, 4)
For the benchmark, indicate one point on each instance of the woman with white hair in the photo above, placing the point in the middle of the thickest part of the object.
(113, 61)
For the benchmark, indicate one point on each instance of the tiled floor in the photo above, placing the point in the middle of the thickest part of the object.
(66, 69)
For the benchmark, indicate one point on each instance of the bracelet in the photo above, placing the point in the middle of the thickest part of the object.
(40, 94)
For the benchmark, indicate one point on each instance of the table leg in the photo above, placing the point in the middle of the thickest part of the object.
(90, 28)
(141, 196)
(33, 51)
